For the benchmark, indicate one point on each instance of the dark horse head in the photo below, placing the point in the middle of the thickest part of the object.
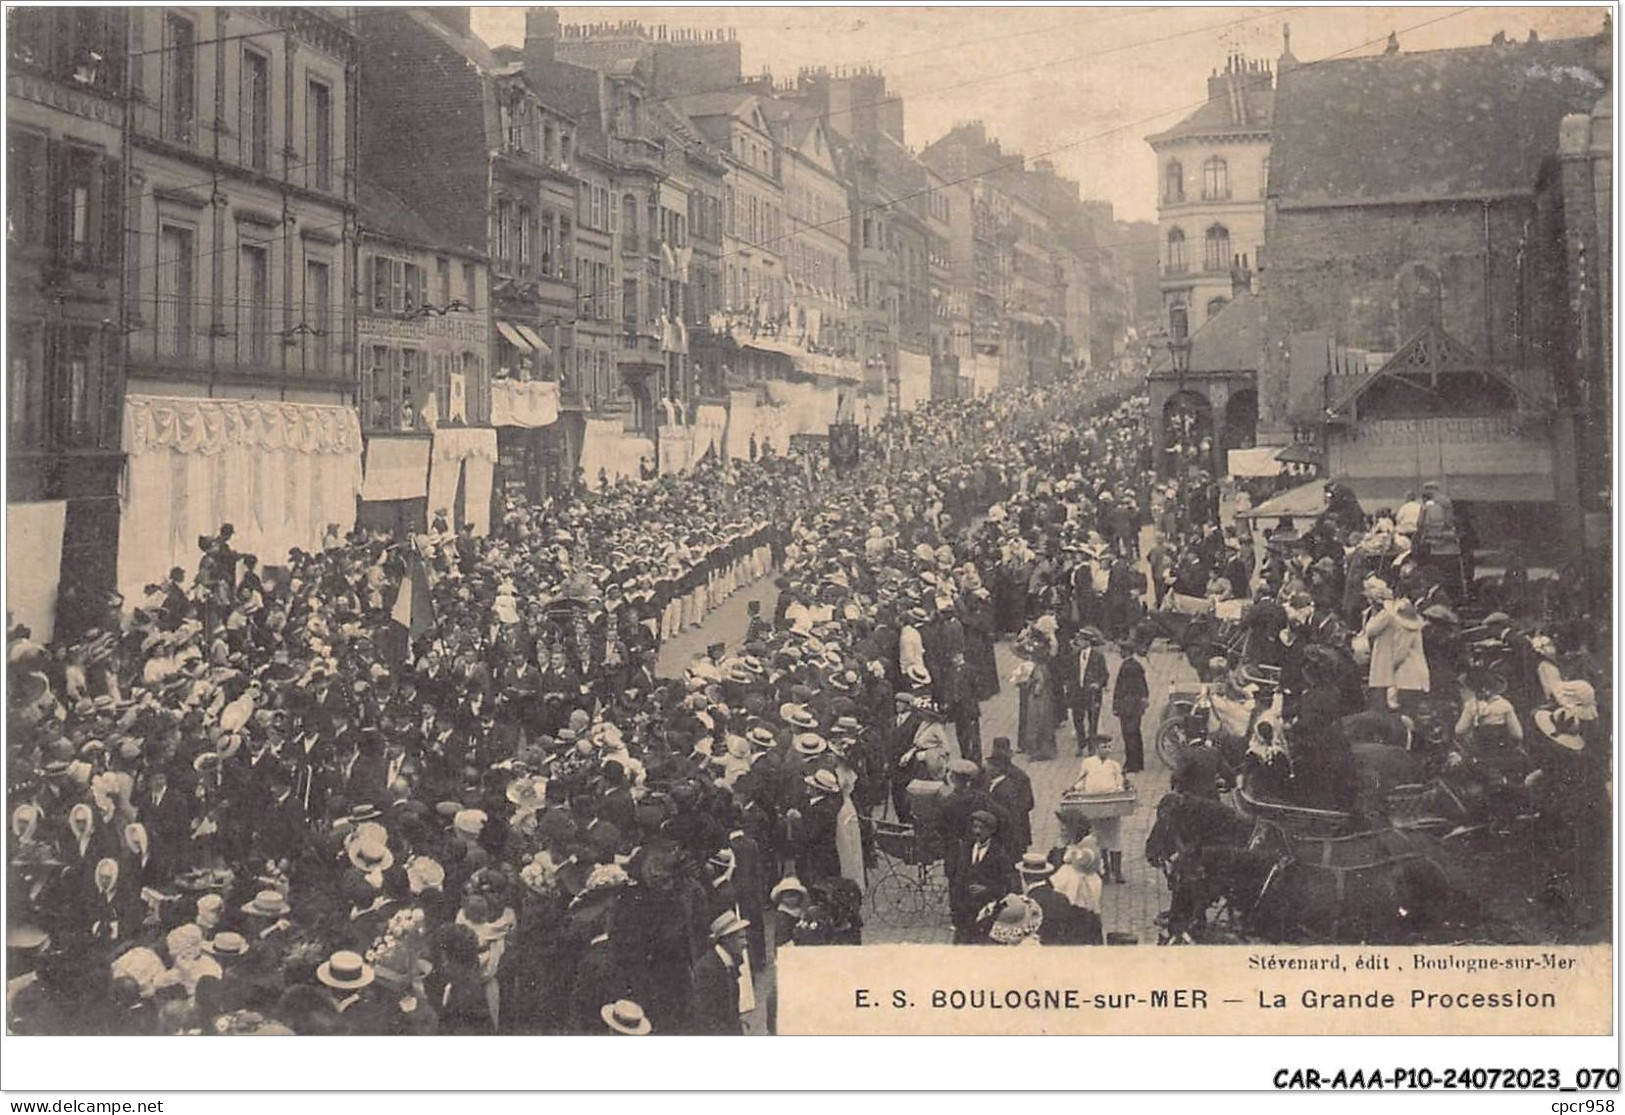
(1185, 822)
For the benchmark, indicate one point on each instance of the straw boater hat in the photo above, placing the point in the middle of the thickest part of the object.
(267, 904)
(726, 924)
(1035, 865)
(787, 885)
(810, 743)
(370, 854)
(625, 1017)
(824, 781)
(227, 944)
(345, 971)
(1560, 726)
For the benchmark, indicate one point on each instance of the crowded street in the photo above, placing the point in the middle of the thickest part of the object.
(587, 602)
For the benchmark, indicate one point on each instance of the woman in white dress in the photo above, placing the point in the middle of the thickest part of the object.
(1077, 853)
(848, 831)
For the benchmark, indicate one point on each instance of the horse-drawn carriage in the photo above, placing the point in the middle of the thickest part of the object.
(1285, 872)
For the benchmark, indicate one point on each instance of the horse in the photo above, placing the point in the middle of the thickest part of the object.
(1185, 822)
(1375, 887)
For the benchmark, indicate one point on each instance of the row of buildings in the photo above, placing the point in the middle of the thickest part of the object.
(297, 268)
(1400, 265)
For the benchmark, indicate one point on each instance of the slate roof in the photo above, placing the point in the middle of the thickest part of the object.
(698, 106)
(1468, 123)
(1232, 340)
(384, 213)
(1220, 116)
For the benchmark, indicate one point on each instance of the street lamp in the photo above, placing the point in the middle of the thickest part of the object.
(1179, 352)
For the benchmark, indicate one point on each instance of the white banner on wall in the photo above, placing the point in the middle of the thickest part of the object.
(280, 473)
(34, 563)
(913, 380)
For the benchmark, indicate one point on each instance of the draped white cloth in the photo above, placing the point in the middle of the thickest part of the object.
(710, 429)
(772, 424)
(606, 446)
(469, 455)
(676, 448)
(278, 472)
(34, 563)
(984, 373)
(397, 468)
(913, 380)
(528, 405)
(809, 408)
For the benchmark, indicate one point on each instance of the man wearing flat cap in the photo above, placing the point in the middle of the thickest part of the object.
(983, 869)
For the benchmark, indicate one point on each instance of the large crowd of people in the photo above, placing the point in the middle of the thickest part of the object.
(440, 785)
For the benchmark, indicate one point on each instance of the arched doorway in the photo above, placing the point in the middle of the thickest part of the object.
(1241, 420)
(1187, 431)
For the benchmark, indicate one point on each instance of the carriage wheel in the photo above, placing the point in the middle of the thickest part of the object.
(893, 898)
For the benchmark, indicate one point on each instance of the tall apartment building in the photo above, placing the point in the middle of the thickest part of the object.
(239, 210)
(1213, 167)
(65, 247)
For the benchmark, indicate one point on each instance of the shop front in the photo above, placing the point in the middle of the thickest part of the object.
(529, 452)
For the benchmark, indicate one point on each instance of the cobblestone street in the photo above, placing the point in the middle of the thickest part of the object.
(1129, 908)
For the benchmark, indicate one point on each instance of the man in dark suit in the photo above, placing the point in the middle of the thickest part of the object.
(167, 815)
(1130, 696)
(1086, 680)
(716, 978)
(1064, 923)
(985, 871)
(1012, 792)
(750, 892)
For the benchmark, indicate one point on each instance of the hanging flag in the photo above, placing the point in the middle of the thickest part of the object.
(414, 605)
(457, 410)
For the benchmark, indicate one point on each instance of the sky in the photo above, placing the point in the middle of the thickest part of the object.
(1082, 86)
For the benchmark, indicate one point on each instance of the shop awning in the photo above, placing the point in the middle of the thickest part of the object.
(513, 337)
(1306, 501)
(542, 348)
(1261, 461)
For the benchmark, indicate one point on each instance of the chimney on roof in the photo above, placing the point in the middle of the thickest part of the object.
(1499, 39)
(1241, 277)
(1393, 43)
(1286, 61)
(1534, 36)
(541, 38)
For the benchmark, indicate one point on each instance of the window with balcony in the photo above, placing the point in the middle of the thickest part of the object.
(80, 196)
(1177, 263)
(1264, 177)
(1215, 179)
(1217, 257)
(470, 285)
(253, 295)
(318, 342)
(26, 187)
(527, 237)
(25, 388)
(78, 387)
(175, 289)
(254, 105)
(319, 132)
(180, 78)
(629, 304)
(502, 233)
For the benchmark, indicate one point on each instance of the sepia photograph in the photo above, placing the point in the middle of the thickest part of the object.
(563, 521)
